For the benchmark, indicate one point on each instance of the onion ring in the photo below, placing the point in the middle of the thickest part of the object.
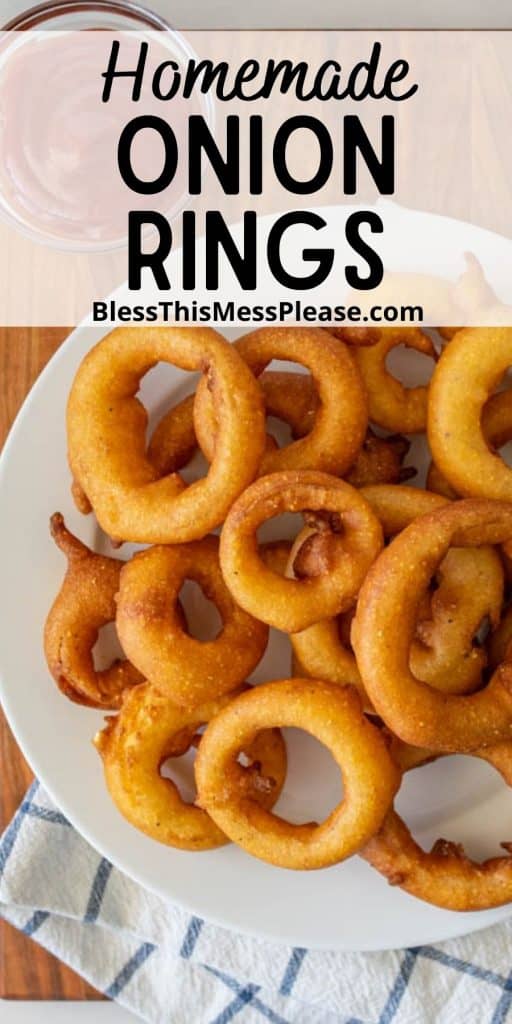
(148, 730)
(275, 554)
(497, 419)
(392, 591)
(437, 484)
(187, 670)
(391, 405)
(319, 653)
(406, 756)
(173, 442)
(85, 603)
(470, 582)
(445, 652)
(497, 430)
(397, 507)
(341, 560)
(468, 371)
(334, 716)
(106, 435)
(341, 419)
(322, 651)
(445, 876)
(290, 397)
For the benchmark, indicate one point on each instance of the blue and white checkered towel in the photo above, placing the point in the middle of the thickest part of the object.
(169, 967)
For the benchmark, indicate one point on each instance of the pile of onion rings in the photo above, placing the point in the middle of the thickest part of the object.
(395, 600)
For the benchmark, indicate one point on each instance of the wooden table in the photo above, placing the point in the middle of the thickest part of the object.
(26, 970)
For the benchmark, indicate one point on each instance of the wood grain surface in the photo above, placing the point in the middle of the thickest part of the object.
(26, 970)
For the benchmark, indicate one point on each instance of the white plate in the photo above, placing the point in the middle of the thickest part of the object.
(347, 907)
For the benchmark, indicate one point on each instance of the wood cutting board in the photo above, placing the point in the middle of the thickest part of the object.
(26, 970)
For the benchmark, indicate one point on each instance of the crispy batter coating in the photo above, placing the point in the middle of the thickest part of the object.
(322, 650)
(85, 603)
(173, 442)
(497, 430)
(187, 670)
(348, 538)
(319, 653)
(292, 398)
(172, 445)
(148, 730)
(397, 507)
(445, 875)
(390, 650)
(391, 404)
(392, 593)
(469, 370)
(106, 427)
(334, 716)
(380, 461)
(446, 651)
(437, 483)
(341, 418)
(275, 554)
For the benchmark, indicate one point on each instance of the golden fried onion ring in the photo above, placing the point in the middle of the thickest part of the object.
(469, 370)
(106, 434)
(444, 876)
(340, 422)
(188, 671)
(334, 716)
(391, 593)
(347, 540)
(445, 651)
(322, 651)
(396, 507)
(85, 603)
(319, 653)
(497, 430)
(391, 404)
(292, 397)
(148, 730)
(173, 442)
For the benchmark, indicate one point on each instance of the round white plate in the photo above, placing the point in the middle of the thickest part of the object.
(347, 907)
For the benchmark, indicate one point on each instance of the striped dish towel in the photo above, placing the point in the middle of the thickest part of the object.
(171, 968)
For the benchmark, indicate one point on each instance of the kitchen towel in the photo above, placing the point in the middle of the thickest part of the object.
(172, 968)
